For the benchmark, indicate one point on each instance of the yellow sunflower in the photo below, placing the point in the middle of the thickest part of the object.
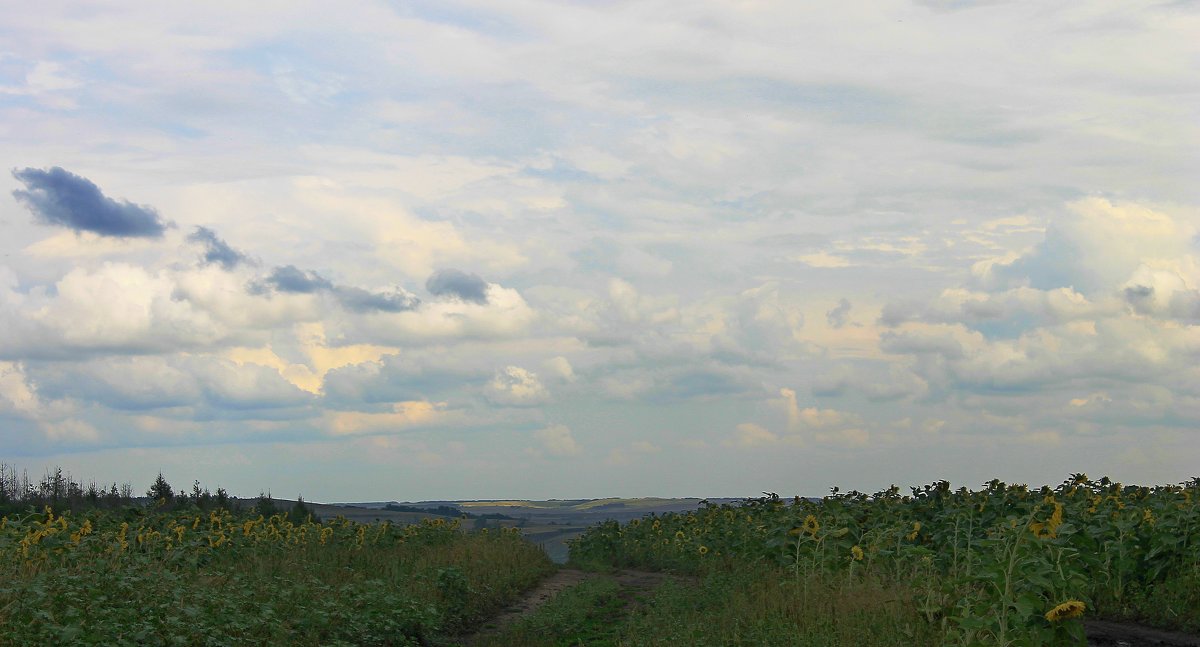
(1066, 610)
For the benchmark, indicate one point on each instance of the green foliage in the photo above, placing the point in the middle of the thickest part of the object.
(146, 577)
(57, 489)
(730, 604)
(590, 613)
(985, 566)
(265, 505)
(300, 512)
(161, 491)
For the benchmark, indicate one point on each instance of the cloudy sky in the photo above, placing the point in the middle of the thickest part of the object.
(416, 250)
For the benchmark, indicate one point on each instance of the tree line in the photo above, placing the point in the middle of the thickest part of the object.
(61, 491)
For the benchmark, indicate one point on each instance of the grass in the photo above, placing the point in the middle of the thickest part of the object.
(735, 605)
(728, 605)
(588, 613)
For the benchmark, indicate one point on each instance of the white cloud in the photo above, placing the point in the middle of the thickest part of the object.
(118, 307)
(663, 231)
(557, 440)
(561, 368)
(506, 314)
(16, 394)
(823, 260)
(749, 434)
(516, 386)
(1131, 276)
(167, 381)
(402, 416)
(71, 430)
(1094, 246)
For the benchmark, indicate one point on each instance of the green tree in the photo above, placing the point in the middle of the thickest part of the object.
(161, 490)
(300, 512)
(265, 505)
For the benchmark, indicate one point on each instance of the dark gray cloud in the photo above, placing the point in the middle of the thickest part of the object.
(58, 197)
(360, 300)
(217, 251)
(837, 316)
(455, 283)
(289, 278)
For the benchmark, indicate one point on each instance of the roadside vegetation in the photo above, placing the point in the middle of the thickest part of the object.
(172, 573)
(1003, 565)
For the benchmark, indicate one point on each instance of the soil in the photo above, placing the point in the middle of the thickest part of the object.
(1102, 633)
(551, 586)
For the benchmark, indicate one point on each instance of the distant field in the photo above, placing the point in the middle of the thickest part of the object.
(549, 524)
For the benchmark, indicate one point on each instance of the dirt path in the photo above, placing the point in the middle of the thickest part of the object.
(551, 586)
(636, 586)
(1102, 633)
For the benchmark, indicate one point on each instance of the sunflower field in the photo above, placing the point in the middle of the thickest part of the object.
(1002, 565)
(145, 577)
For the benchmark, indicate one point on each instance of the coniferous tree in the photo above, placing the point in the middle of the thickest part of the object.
(161, 490)
(300, 512)
(265, 505)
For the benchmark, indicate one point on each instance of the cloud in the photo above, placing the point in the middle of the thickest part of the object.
(837, 316)
(395, 378)
(217, 251)
(624, 203)
(1166, 289)
(172, 381)
(360, 300)
(558, 441)
(1091, 248)
(58, 197)
(1005, 313)
(815, 418)
(118, 307)
(823, 426)
(823, 260)
(749, 434)
(560, 367)
(506, 314)
(1104, 299)
(289, 278)
(16, 394)
(516, 386)
(404, 415)
(71, 430)
(761, 326)
(455, 283)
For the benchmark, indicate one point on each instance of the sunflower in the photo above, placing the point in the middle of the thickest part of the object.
(856, 553)
(811, 525)
(703, 550)
(1049, 529)
(1066, 610)
(915, 530)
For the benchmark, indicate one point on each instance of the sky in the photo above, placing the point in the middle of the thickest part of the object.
(479, 250)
